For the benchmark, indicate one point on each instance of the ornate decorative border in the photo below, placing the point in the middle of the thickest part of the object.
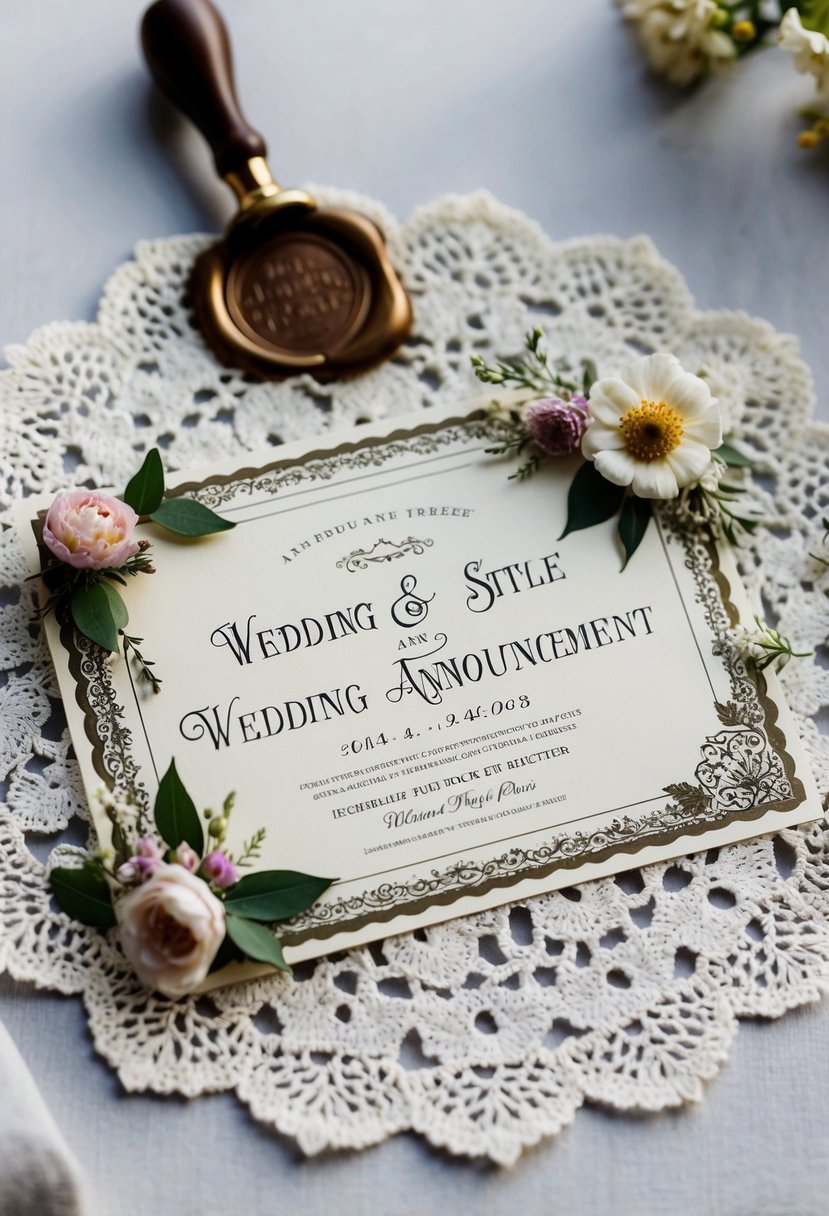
(744, 760)
(372, 452)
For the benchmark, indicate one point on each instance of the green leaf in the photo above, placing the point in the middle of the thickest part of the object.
(176, 816)
(814, 15)
(255, 941)
(592, 499)
(227, 953)
(730, 456)
(274, 894)
(633, 524)
(99, 612)
(146, 489)
(189, 518)
(589, 376)
(84, 894)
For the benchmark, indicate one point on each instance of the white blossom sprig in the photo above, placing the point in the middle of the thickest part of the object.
(762, 646)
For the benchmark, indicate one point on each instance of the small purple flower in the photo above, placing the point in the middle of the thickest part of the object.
(219, 869)
(557, 426)
(147, 857)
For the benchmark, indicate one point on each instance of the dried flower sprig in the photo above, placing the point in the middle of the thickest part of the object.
(763, 646)
(533, 370)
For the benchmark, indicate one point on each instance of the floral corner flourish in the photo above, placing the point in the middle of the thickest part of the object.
(650, 433)
(177, 897)
(91, 550)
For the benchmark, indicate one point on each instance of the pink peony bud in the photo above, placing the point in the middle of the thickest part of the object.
(219, 869)
(90, 530)
(127, 872)
(186, 856)
(557, 426)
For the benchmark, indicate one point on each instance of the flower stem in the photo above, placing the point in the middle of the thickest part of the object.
(145, 666)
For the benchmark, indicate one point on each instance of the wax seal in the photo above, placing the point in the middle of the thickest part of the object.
(299, 293)
(292, 287)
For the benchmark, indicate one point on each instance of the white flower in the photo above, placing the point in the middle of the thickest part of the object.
(763, 646)
(171, 928)
(652, 427)
(679, 37)
(809, 47)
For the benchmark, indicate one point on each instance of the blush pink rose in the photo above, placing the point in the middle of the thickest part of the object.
(90, 530)
(171, 928)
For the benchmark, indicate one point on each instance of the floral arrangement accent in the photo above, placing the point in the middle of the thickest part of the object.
(653, 432)
(685, 40)
(92, 551)
(177, 897)
(763, 647)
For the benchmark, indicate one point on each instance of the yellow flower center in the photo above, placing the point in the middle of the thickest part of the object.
(651, 431)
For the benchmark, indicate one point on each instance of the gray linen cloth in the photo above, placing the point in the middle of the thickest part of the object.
(38, 1174)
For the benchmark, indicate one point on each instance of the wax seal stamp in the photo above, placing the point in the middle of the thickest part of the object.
(299, 293)
(291, 287)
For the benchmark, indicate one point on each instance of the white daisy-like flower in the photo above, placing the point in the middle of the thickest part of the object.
(652, 427)
(809, 47)
(680, 38)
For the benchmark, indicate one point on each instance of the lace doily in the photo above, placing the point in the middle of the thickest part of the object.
(484, 1034)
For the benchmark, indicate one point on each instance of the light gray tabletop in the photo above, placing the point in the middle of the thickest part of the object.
(545, 103)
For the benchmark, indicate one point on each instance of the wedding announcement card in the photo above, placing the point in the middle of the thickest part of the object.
(419, 689)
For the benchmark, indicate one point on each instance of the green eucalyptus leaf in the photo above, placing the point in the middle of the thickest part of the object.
(732, 457)
(274, 894)
(176, 816)
(592, 499)
(189, 518)
(255, 941)
(99, 612)
(84, 894)
(633, 524)
(146, 489)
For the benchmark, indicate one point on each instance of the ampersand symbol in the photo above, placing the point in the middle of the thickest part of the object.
(410, 609)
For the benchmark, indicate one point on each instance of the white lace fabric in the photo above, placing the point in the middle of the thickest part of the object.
(488, 1033)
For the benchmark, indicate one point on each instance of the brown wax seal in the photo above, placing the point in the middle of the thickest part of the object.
(291, 287)
(299, 293)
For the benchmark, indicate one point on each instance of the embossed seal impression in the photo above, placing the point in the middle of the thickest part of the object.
(300, 292)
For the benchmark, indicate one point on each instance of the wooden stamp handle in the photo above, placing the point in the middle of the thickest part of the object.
(187, 48)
